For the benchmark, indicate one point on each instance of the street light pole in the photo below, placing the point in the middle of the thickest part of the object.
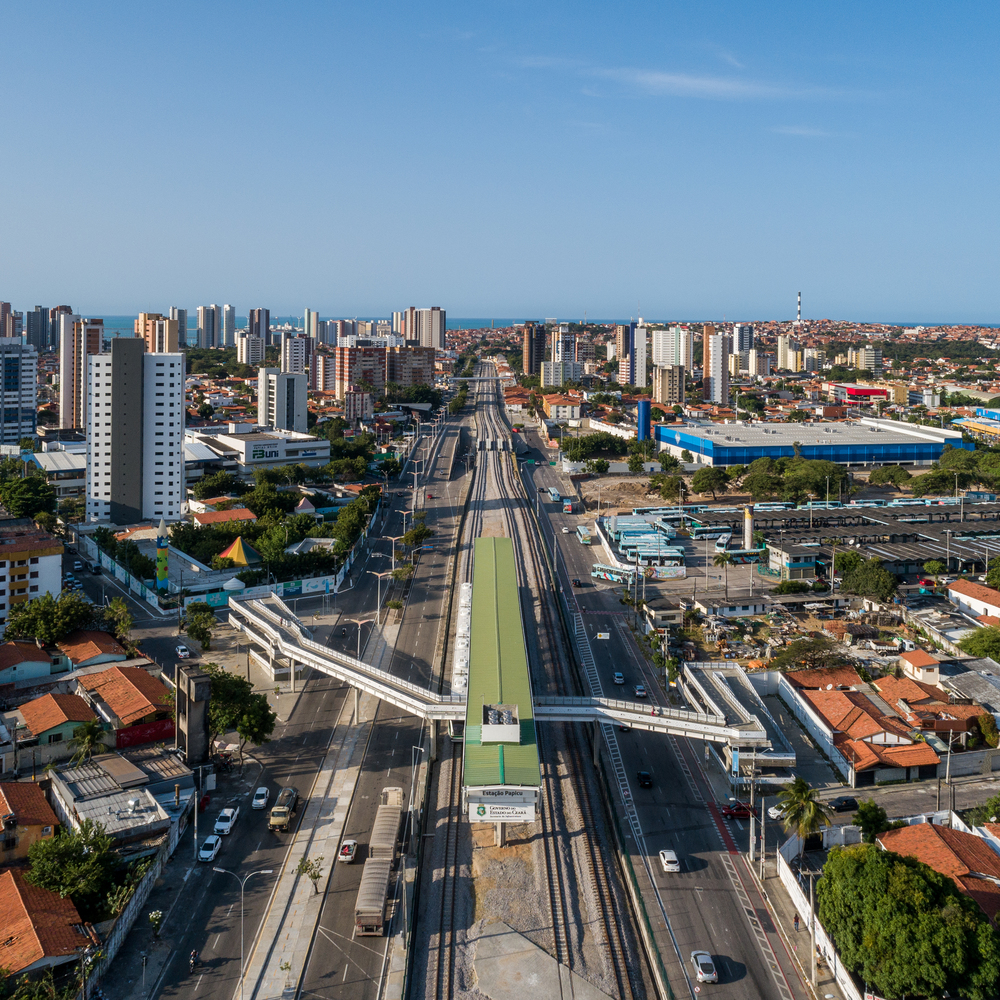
(378, 606)
(359, 622)
(394, 539)
(243, 881)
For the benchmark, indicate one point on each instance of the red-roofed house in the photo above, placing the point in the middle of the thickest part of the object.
(920, 666)
(927, 707)
(25, 816)
(86, 648)
(221, 516)
(53, 717)
(40, 928)
(135, 703)
(825, 677)
(973, 598)
(21, 660)
(966, 859)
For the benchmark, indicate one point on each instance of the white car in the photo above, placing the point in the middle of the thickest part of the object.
(619, 677)
(565, 530)
(640, 690)
(210, 848)
(669, 861)
(704, 968)
(260, 798)
(182, 652)
(776, 812)
(227, 819)
(348, 849)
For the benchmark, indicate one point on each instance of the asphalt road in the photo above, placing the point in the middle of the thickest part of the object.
(710, 904)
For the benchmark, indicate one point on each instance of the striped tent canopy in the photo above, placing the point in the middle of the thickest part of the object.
(241, 553)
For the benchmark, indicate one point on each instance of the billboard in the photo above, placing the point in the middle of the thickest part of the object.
(501, 812)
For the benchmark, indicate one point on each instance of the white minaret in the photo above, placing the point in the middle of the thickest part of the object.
(799, 317)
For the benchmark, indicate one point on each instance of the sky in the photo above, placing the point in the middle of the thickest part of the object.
(674, 160)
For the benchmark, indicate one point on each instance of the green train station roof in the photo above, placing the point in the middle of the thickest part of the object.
(498, 671)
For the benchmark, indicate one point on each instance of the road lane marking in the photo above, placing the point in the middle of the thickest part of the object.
(216, 945)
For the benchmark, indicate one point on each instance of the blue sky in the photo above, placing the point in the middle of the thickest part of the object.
(504, 159)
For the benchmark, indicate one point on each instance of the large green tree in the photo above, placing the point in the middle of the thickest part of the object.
(80, 864)
(710, 479)
(894, 475)
(982, 642)
(810, 654)
(905, 929)
(234, 706)
(199, 623)
(49, 619)
(801, 811)
(871, 579)
(28, 497)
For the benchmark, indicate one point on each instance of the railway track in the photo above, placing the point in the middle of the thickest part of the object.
(441, 961)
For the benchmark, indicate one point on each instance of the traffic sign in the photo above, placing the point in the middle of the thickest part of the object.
(603, 635)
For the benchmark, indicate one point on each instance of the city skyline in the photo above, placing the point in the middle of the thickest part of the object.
(699, 162)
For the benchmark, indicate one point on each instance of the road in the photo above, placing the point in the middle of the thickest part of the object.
(712, 904)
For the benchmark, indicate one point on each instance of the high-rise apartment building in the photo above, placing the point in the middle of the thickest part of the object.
(397, 323)
(673, 346)
(532, 348)
(630, 347)
(585, 351)
(294, 353)
(669, 383)
(259, 324)
(758, 362)
(358, 406)
(866, 358)
(787, 349)
(78, 339)
(431, 326)
(55, 315)
(158, 333)
(249, 350)
(135, 434)
(19, 415)
(227, 327)
(715, 376)
(11, 322)
(323, 372)
(180, 316)
(311, 324)
(37, 331)
(409, 366)
(813, 359)
(364, 367)
(560, 372)
(281, 400)
(209, 333)
(563, 344)
(742, 337)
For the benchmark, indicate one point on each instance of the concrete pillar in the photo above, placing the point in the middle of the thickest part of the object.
(357, 705)
(498, 839)
(433, 733)
(291, 663)
(597, 743)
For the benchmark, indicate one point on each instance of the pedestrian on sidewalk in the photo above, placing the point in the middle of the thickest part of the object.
(796, 923)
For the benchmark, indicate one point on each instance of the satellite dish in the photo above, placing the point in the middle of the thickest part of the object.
(829, 687)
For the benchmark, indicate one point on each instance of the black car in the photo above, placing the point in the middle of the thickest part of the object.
(843, 803)
(645, 779)
(576, 582)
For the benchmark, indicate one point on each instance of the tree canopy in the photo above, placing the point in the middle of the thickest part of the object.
(234, 706)
(49, 619)
(981, 642)
(905, 929)
(28, 497)
(871, 579)
(710, 479)
(809, 654)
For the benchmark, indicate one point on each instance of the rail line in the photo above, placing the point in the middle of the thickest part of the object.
(442, 958)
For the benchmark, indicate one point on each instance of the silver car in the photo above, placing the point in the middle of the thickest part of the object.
(704, 967)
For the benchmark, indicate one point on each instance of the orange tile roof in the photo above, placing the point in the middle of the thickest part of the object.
(816, 679)
(15, 652)
(130, 692)
(919, 658)
(988, 620)
(52, 710)
(218, 516)
(965, 858)
(84, 644)
(27, 802)
(38, 923)
(927, 703)
(976, 591)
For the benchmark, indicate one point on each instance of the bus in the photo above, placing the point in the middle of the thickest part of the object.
(612, 574)
(701, 531)
(741, 557)
(567, 505)
(583, 534)
(723, 543)
(554, 495)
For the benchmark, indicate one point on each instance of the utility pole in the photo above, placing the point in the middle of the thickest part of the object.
(812, 928)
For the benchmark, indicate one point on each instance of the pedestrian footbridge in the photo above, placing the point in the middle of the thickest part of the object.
(271, 626)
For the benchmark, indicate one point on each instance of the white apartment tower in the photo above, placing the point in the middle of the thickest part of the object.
(249, 350)
(227, 328)
(673, 346)
(208, 326)
(281, 400)
(716, 374)
(311, 324)
(563, 345)
(135, 434)
(294, 354)
(181, 316)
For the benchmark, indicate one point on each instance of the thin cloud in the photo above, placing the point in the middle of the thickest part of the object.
(705, 87)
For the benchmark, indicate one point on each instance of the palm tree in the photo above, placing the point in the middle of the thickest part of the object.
(724, 559)
(87, 737)
(802, 812)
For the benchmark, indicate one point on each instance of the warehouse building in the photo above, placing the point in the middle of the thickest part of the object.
(868, 441)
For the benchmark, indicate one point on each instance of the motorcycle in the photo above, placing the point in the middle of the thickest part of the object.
(192, 961)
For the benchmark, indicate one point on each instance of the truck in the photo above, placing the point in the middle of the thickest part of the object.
(384, 841)
(282, 810)
(369, 910)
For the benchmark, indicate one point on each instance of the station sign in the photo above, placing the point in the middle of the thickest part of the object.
(501, 812)
(509, 795)
(603, 635)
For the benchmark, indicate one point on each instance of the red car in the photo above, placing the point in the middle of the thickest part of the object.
(739, 810)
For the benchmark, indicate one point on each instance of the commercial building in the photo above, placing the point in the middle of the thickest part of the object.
(409, 366)
(241, 448)
(281, 400)
(259, 324)
(560, 372)
(78, 339)
(532, 348)
(180, 317)
(208, 326)
(65, 468)
(135, 434)
(19, 416)
(866, 441)
(853, 394)
(249, 350)
(294, 353)
(668, 384)
(673, 346)
(359, 366)
(715, 353)
(37, 329)
(31, 565)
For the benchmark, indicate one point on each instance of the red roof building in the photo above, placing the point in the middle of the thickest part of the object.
(130, 694)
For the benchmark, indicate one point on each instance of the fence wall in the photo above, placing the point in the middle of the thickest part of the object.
(813, 725)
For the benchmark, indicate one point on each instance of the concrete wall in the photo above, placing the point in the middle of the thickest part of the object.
(813, 725)
(974, 762)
